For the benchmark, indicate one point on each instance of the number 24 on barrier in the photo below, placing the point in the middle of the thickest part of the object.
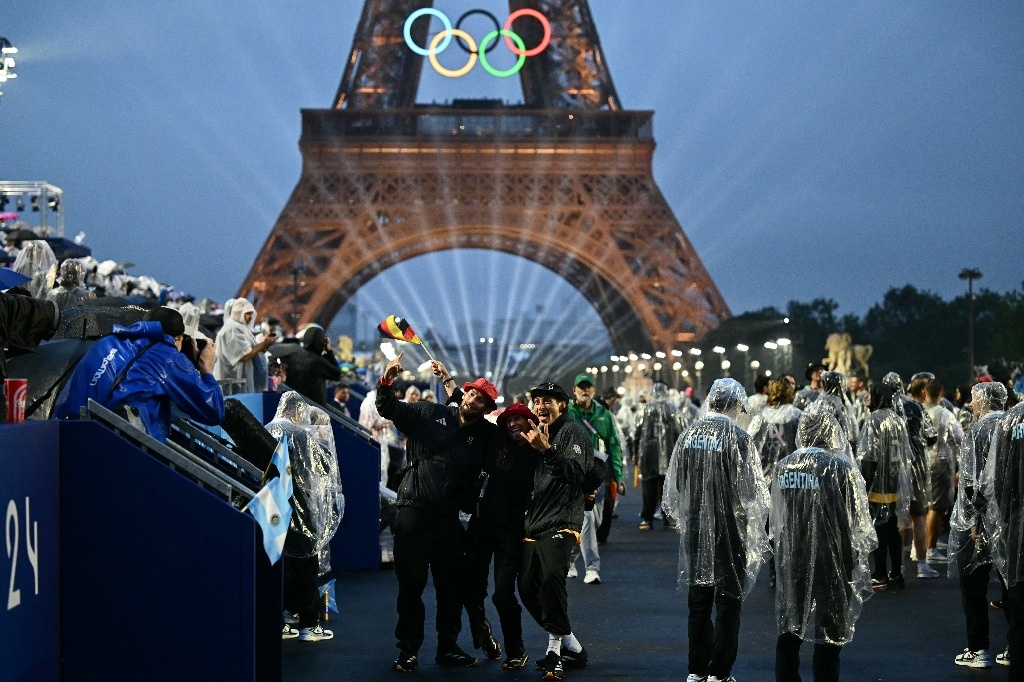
(31, 548)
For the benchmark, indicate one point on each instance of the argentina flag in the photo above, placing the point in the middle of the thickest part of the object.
(282, 461)
(273, 512)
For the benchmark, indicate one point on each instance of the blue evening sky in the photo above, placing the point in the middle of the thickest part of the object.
(807, 148)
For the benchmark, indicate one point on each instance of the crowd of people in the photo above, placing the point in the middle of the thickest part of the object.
(831, 485)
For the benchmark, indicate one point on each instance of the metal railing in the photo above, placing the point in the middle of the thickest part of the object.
(189, 464)
(470, 125)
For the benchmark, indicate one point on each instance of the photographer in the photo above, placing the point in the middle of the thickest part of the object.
(141, 367)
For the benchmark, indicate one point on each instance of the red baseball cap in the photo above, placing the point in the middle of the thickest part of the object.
(485, 387)
(517, 409)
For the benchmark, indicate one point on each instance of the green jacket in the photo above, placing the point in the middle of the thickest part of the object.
(599, 423)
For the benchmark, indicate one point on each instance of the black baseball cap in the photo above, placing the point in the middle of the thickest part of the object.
(553, 390)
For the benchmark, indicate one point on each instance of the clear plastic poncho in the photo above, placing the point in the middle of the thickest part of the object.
(969, 545)
(1002, 484)
(234, 340)
(823, 536)
(716, 491)
(884, 442)
(833, 399)
(36, 260)
(656, 433)
(71, 289)
(819, 429)
(317, 502)
(942, 456)
(773, 434)
(335, 498)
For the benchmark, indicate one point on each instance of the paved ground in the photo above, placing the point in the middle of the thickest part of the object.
(634, 626)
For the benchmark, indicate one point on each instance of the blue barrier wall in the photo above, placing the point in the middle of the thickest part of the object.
(29, 568)
(158, 577)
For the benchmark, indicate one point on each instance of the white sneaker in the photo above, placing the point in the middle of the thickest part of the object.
(926, 571)
(694, 677)
(316, 634)
(940, 545)
(572, 572)
(913, 554)
(974, 659)
(1004, 658)
(934, 556)
(288, 632)
(592, 577)
(712, 678)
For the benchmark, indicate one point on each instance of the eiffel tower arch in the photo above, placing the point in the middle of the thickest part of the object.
(564, 180)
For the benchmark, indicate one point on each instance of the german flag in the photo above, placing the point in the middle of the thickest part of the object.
(398, 329)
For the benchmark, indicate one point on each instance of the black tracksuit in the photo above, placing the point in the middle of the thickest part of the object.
(553, 524)
(444, 465)
(496, 530)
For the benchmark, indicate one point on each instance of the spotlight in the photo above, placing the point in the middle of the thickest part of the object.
(53, 203)
(35, 204)
(19, 205)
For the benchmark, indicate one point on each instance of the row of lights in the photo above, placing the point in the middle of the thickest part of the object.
(53, 203)
(635, 358)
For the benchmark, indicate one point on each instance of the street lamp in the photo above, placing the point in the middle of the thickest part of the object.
(745, 349)
(787, 354)
(772, 346)
(725, 367)
(970, 274)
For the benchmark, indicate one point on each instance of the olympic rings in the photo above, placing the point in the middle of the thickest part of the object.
(545, 41)
(493, 35)
(472, 53)
(442, 39)
(494, 20)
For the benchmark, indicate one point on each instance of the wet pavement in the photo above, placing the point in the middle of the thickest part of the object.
(634, 626)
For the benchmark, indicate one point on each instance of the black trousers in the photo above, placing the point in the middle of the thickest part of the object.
(713, 647)
(508, 559)
(542, 581)
(301, 595)
(974, 600)
(652, 489)
(606, 519)
(890, 546)
(424, 541)
(1014, 606)
(824, 667)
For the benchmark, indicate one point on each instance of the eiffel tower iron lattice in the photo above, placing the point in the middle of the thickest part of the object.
(564, 180)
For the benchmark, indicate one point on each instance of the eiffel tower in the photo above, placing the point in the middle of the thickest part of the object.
(564, 180)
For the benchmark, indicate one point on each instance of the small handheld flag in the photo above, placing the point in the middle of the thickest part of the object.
(273, 513)
(327, 594)
(393, 327)
(396, 328)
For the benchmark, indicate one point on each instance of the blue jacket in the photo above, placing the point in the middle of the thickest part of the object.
(160, 376)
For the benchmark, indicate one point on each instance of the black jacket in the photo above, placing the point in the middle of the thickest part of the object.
(309, 372)
(505, 494)
(558, 480)
(445, 460)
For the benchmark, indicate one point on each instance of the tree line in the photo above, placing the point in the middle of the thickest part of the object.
(909, 330)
